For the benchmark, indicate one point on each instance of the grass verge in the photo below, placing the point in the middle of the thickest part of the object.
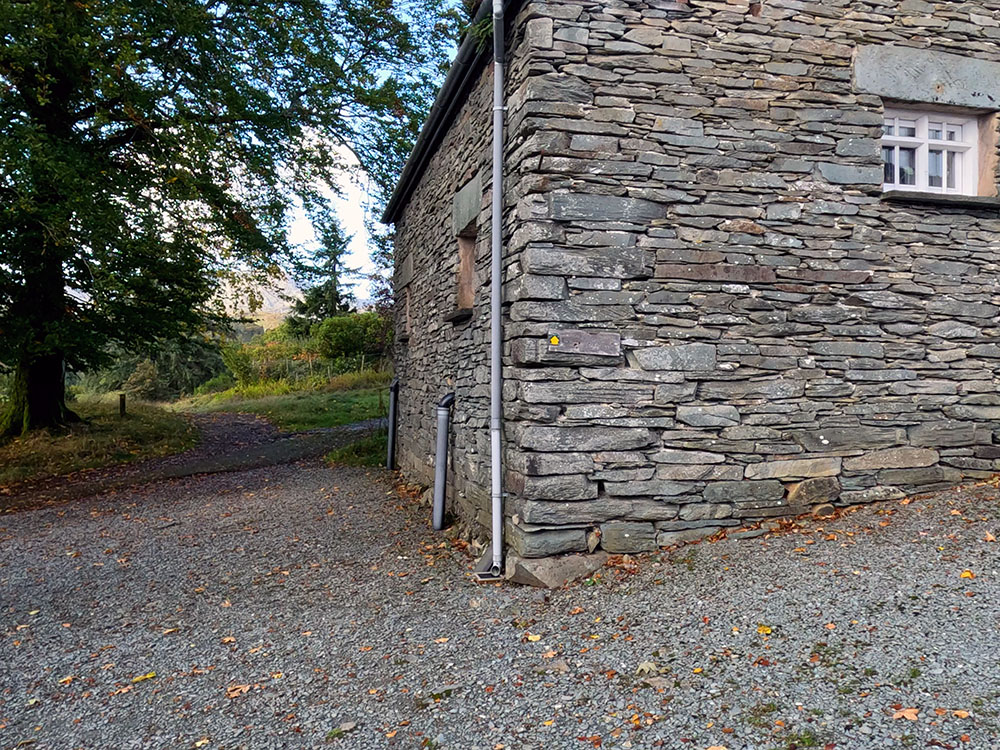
(102, 440)
(298, 410)
(368, 451)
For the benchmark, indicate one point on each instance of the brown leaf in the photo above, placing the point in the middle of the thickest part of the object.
(234, 691)
(910, 714)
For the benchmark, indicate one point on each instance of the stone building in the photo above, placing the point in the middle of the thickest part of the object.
(750, 264)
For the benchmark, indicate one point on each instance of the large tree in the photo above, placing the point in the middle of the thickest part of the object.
(149, 146)
(323, 278)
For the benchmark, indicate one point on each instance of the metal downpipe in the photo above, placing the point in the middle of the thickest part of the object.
(496, 289)
(441, 459)
(390, 454)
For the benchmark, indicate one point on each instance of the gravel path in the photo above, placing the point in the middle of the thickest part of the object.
(228, 442)
(303, 606)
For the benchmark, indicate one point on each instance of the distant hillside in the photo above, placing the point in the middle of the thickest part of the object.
(276, 302)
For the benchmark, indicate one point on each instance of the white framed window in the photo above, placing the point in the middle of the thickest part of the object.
(930, 151)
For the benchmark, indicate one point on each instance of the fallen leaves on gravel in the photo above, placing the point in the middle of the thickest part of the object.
(967, 574)
(143, 677)
(910, 714)
(235, 691)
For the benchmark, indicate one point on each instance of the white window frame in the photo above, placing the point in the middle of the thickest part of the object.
(966, 150)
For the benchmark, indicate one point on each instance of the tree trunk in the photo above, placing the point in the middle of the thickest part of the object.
(38, 394)
(37, 398)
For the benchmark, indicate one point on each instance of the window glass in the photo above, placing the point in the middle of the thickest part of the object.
(935, 131)
(889, 164)
(935, 168)
(952, 169)
(907, 166)
(907, 129)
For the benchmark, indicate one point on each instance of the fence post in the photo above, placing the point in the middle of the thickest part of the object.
(121, 404)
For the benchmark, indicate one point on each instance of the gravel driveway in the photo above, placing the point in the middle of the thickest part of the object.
(301, 606)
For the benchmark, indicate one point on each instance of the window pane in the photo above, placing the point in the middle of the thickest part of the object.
(952, 169)
(954, 132)
(908, 128)
(907, 166)
(935, 131)
(935, 168)
(889, 165)
(889, 128)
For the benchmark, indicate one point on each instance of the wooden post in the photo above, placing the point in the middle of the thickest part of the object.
(121, 404)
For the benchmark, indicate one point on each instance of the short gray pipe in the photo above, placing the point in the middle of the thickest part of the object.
(441, 459)
(390, 455)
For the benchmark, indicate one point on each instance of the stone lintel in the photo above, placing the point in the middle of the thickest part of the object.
(926, 76)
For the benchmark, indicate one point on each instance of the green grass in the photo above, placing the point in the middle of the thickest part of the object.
(298, 410)
(369, 451)
(102, 440)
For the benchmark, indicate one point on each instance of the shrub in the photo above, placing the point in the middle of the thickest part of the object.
(144, 382)
(220, 382)
(237, 358)
(354, 335)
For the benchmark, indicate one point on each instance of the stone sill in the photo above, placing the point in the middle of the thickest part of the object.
(941, 199)
(458, 315)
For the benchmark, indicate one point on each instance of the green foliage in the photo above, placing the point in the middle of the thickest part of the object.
(237, 359)
(150, 149)
(171, 368)
(368, 451)
(353, 335)
(144, 382)
(482, 33)
(220, 382)
(298, 410)
(322, 276)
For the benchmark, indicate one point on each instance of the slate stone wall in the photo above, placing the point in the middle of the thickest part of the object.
(440, 348)
(716, 316)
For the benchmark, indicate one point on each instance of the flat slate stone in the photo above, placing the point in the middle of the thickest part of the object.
(743, 491)
(870, 495)
(720, 415)
(847, 438)
(553, 572)
(620, 537)
(683, 536)
(683, 357)
(556, 438)
(893, 458)
(926, 76)
(794, 468)
(818, 490)
(547, 542)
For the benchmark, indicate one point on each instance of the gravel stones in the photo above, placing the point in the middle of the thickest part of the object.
(336, 620)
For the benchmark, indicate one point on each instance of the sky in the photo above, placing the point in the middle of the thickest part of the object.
(350, 206)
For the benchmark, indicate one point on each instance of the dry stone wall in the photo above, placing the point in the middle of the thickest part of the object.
(715, 315)
(441, 348)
